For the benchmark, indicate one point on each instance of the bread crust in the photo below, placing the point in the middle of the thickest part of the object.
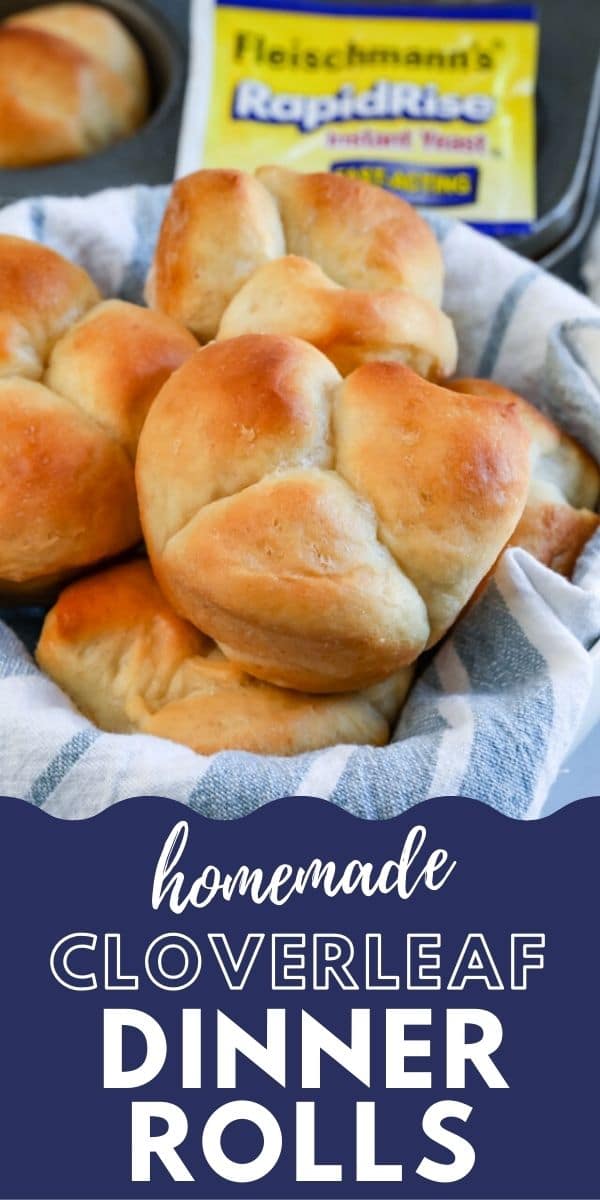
(362, 236)
(130, 664)
(72, 80)
(322, 531)
(564, 489)
(293, 296)
(220, 227)
(67, 494)
(41, 294)
(114, 361)
(77, 378)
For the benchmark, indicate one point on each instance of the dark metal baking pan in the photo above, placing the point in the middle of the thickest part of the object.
(568, 127)
(148, 156)
(568, 109)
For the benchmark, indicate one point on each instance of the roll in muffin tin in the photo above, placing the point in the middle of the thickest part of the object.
(148, 156)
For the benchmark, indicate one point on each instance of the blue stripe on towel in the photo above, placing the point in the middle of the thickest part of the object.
(511, 690)
(14, 659)
(59, 766)
(502, 319)
(373, 780)
(148, 209)
(11, 668)
(37, 218)
(244, 782)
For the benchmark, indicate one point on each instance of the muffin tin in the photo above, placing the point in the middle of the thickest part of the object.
(568, 109)
(148, 156)
(568, 102)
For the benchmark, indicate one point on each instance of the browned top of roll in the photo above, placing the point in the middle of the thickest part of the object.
(218, 227)
(72, 80)
(362, 236)
(67, 495)
(114, 361)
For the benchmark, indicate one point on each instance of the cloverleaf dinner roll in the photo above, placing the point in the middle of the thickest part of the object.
(72, 402)
(564, 486)
(72, 80)
(323, 532)
(220, 227)
(293, 296)
(130, 664)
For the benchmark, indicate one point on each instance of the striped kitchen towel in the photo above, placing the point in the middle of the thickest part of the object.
(496, 709)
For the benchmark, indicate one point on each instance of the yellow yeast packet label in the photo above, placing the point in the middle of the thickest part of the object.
(436, 103)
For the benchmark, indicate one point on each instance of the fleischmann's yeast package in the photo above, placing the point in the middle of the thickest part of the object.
(435, 103)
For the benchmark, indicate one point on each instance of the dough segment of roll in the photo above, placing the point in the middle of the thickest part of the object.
(99, 33)
(41, 294)
(130, 664)
(114, 361)
(362, 236)
(72, 80)
(293, 297)
(323, 532)
(296, 584)
(564, 489)
(218, 227)
(447, 480)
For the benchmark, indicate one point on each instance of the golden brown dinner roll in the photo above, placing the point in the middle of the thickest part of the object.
(72, 80)
(221, 226)
(41, 294)
(67, 491)
(293, 296)
(130, 664)
(564, 486)
(323, 532)
(114, 361)
(218, 227)
(362, 236)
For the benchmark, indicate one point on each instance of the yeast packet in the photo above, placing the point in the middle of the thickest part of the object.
(434, 102)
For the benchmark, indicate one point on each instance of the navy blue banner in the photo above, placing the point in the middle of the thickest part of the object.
(299, 1003)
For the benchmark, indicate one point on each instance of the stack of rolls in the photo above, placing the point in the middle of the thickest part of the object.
(317, 508)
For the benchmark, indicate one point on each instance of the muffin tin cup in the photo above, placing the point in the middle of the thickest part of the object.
(148, 155)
